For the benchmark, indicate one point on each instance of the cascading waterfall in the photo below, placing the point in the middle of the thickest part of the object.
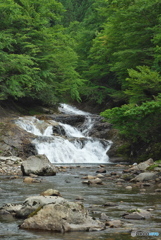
(74, 146)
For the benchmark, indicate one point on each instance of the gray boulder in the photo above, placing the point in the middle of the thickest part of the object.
(138, 214)
(60, 215)
(34, 203)
(10, 208)
(146, 176)
(39, 165)
(143, 165)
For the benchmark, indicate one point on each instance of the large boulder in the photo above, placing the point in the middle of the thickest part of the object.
(143, 165)
(39, 165)
(59, 215)
(34, 203)
(15, 141)
(145, 176)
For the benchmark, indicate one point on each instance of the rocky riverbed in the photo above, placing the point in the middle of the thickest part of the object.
(101, 201)
(124, 199)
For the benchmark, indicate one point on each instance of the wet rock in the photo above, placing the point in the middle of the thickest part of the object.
(146, 184)
(157, 180)
(14, 177)
(89, 177)
(33, 175)
(85, 182)
(143, 165)
(138, 214)
(110, 204)
(79, 198)
(10, 159)
(62, 216)
(34, 203)
(146, 176)
(128, 187)
(119, 183)
(101, 170)
(51, 192)
(16, 141)
(158, 190)
(100, 176)
(95, 181)
(74, 120)
(142, 190)
(100, 128)
(113, 173)
(114, 223)
(158, 169)
(31, 180)
(10, 208)
(39, 165)
(10, 165)
(104, 216)
(120, 180)
(58, 130)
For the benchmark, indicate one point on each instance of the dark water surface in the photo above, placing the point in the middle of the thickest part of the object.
(70, 186)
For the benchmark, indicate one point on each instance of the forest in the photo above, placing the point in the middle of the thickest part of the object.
(101, 52)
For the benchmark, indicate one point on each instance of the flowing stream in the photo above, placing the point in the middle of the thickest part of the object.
(73, 146)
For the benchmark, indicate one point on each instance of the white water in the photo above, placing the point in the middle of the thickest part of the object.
(74, 147)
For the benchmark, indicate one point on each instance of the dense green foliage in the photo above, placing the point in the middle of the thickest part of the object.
(37, 59)
(107, 52)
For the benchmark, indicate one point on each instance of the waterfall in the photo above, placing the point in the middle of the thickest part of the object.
(72, 145)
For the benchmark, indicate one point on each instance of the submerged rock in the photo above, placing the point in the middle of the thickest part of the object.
(60, 215)
(39, 165)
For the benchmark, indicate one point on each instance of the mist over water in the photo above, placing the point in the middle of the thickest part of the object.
(75, 146)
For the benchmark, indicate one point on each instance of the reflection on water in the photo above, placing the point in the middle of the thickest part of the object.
(70, 186)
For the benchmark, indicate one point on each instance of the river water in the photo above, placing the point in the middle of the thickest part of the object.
(69, 183)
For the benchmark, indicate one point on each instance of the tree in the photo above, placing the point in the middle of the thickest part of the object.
(126, 38)
(139, 120)
(37, 59)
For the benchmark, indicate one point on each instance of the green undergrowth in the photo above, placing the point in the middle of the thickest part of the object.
(153, 166)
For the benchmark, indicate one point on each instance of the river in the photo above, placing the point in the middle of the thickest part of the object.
(69, 184)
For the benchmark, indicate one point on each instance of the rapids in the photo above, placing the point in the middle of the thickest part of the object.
(75, 146)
